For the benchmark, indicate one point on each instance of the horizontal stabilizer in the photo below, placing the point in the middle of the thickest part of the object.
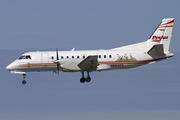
(156, 50)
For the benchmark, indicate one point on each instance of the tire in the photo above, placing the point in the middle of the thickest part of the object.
(23, 82)
(82, 80)
(88, 79)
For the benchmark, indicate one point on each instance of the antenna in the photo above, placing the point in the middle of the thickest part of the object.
(73, 49)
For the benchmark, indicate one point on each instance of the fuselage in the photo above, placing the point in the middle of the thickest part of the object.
(69, 60)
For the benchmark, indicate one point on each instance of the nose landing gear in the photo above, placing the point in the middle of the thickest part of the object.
(24, 81)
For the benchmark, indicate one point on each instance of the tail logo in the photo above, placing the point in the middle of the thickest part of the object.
(158, 38)
(169, 24)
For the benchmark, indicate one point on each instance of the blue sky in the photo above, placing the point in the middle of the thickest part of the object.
(148, 92)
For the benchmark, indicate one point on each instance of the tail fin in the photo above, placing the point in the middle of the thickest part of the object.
(162, 35)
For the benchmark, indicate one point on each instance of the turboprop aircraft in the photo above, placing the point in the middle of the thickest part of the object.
(154, 49)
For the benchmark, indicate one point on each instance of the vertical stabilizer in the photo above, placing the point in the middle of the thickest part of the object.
(162, 34)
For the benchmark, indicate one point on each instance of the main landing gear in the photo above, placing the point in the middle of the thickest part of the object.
(24, 81)
(87, 79)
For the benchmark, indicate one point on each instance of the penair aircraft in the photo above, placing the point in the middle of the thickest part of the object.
(154, 49)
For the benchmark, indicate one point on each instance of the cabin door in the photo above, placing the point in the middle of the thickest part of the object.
(45, 59)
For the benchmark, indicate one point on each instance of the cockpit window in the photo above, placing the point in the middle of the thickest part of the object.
(24, 57)
(28, 57)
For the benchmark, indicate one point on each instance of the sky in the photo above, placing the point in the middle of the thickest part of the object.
(147, 92)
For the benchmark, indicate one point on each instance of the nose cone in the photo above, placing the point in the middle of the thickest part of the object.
(12, 66)
(9, 67)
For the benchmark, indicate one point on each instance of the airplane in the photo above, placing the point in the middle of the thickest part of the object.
(156, 48)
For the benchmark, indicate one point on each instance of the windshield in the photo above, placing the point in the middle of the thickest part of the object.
(24, 57)
(28, 57)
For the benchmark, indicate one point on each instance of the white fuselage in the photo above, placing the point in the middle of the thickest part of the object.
(69, 60)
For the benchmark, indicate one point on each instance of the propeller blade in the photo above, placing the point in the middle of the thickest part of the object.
(58, 68)
(57, 54)
(58, 64)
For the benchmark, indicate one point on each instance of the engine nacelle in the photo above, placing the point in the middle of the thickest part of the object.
(69, 64)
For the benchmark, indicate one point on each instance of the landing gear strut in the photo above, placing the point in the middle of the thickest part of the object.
(88, 78)
(24, 81)
(82, 80)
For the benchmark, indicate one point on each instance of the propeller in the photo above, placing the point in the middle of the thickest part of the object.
(57, 61)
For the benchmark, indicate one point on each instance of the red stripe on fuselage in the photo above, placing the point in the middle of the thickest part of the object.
(101, 63)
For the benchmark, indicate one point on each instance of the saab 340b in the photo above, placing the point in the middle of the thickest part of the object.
(154, 49)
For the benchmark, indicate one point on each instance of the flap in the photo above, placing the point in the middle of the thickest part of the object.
(156, 50)
(89, 63)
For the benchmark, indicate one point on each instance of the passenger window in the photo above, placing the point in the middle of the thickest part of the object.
(52, 57)
(61, 57)
(67, 57)
(83, 57)
(109, 56)
(78, 57)
(99, 56)
(104, 56)
(72, 56)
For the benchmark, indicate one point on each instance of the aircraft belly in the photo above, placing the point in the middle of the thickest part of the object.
(42, 69)
(103, 67)
(117, 66)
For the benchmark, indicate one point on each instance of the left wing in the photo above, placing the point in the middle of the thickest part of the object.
(90, 63)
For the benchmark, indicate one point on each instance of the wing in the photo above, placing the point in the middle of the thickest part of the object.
(90, 63)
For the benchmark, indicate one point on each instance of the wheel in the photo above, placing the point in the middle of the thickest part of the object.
(88, 79)
(82, 80)
(24, 76)
(23, 82)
